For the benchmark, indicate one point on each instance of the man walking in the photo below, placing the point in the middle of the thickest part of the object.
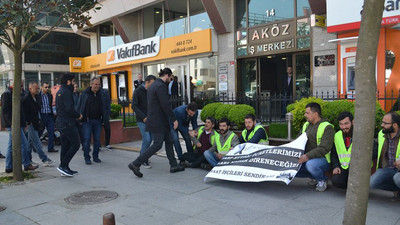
(46, 115)
(139, 106)
(92, 107)
(159, 117)
(32, 111)
(388, 156)
(105, 96)
(224, 142)
(66, 124)
(6, 119)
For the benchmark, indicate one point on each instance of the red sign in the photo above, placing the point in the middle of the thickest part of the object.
(351, 49)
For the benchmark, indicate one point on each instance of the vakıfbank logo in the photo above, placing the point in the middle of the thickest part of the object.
(145, 48)
(77, 63)
(110, 55)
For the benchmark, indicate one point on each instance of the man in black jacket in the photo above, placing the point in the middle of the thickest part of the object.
(32, 112)
(158, 121)
(94, 108)
(46, 115)
(139, 106)
(6, 119)
(66, 124)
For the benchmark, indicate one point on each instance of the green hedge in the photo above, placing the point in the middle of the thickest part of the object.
(209, 110)
(115, 110)
(238, 112)
(222, 111)
(332, 110)
(300, 109)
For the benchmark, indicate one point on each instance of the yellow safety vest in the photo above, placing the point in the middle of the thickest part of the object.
(244, 134)
(381, 140)
(227, 145)
(343, 153)
(201, 130)
(320, 133)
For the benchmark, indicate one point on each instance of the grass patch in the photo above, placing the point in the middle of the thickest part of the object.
(279, 130)
(8, 179)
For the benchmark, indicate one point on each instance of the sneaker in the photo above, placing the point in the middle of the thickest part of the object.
(109, 148)
(48, 163)
(396, 197)
(2, 156)
(65, 172)
(72, 171)
(312, 182)
(321, 186)
(97, 160)
(53, 150)
(135, 169)
(30, 167)
(177, 168)
(146, 165)
(34, 163)
(185, 164)
(88, 162)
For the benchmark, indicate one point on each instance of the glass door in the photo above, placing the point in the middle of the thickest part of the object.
(183, 78)
(302, 75)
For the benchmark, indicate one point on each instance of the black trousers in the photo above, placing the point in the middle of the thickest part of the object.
(69, 142)
(158, 140)
(107, 133)
(340, 180)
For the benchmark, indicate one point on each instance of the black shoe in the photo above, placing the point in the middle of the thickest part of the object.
(185, 164)
(97, 160)
(53, 150)
(65, 172)
(135, 170)
(176, 169)
(88, 162)
(2, 156)
(30, 167)
(72, 171)
(9, 170)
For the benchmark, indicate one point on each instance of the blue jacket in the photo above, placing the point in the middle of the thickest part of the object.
(183, 118)
(105, 99)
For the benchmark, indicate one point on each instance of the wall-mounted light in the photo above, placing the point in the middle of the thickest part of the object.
(283, 58)
(157, 12)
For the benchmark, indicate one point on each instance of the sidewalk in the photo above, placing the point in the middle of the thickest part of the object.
(181, 198)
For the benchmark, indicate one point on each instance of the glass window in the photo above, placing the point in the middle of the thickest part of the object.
(204, 85)
(302, 75)
(266, 11)
(175, 17)
(240, 14)
(152, 21)
(106, 36)
(303, 42)
(241, 37)
(303, 8)
(30, 77)
(199, 19)
(303, 27)
(85, 81)
(241, 51)
(57, 78)
(45, 77)
(57, 47)
(248, 77)
(153, 69)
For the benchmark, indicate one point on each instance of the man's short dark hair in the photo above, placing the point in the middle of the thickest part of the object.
(225, 120)
(192, 106)
(150, 78)
(66, 77)
(315, 107)
(250, 116)
(344, 115)
(45, 82)
(165, 71)
(395, 118)
(211, 119)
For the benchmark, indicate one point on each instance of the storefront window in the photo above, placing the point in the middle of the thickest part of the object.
(84, 81)
(199, 19)
(175, 17)
(57, 78)
(241, 51)
(205, 82)
(106, 36)
(153, 69)
(152, 21)
(303, 8)
(45, 77)
(248, 78)
(30, 77)
(240, 14)
(266, 11)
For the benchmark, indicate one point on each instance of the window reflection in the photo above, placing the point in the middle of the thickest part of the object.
(240, 14)
(303, 27)
(303, 8)
(303, 42)
(266, 11)
(203, 72)
(241, 37)
(175, 17)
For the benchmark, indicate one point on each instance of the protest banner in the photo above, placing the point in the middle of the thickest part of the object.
(249, 162)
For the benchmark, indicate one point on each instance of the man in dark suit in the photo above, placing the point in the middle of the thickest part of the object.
(287, 90)
(139, 81)
(159, 117)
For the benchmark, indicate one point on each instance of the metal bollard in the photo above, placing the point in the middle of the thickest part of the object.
(109, 219)
(289, 118)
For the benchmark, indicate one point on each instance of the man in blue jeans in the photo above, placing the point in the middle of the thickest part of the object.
(185, 115)
(139, 106)
(388, 163)
(316, 158)
(46, 115)
(92, 106)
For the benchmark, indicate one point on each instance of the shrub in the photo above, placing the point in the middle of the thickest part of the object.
(115, 110)
(238, 112)
(300, 109)
(379, 113)
(290, 107)
(332, 110)
(222, 111)
(209, 110)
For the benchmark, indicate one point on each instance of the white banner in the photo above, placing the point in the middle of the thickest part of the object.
(256, 163)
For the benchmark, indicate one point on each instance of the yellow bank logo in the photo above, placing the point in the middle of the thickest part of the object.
(77, 63)
(110, 55)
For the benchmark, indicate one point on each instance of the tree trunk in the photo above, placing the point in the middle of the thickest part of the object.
(364, 119)
(16, 111)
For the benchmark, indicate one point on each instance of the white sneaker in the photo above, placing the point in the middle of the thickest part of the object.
(48, 163)
(109, 148)
(312, 182)
(321, 186)
(34, 164)
(146, 165)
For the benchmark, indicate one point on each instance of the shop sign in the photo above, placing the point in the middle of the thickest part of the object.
(223, 86)
(318, 21)
(324, 60)
(223, 68)
(271, 33)
(223, 77)
(145, 48)
(346, 15)
(270, 48)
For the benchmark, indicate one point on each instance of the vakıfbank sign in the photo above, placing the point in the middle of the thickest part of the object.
(145, 48)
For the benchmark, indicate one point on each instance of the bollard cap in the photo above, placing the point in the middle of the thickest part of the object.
(289, 116)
